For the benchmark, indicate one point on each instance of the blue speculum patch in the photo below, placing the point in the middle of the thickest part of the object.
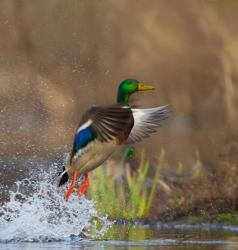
(83, 138)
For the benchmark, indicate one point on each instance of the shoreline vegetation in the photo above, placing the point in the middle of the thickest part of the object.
(133, 190)
(220, 219)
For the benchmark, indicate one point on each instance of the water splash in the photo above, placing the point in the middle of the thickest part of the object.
(36, 211)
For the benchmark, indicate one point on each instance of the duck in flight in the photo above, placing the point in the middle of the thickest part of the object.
(103, 129)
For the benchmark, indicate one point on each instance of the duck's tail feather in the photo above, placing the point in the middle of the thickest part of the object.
(62, 178)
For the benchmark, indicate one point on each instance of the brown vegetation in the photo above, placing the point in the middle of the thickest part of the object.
(58, 57)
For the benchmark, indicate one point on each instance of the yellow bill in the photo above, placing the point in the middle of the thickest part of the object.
(144, 87)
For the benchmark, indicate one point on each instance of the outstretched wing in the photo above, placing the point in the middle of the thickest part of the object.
(146, 121)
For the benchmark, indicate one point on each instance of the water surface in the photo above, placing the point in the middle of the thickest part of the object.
(167, 237)
(35, 216)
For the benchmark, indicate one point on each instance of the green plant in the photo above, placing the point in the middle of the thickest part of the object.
(128, 197)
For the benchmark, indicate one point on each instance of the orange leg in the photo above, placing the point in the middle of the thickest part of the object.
(83, 187)
(72, 185)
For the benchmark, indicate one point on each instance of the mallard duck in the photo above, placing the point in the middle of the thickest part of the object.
(103, 129)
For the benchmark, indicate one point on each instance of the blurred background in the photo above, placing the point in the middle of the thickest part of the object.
(58, 57)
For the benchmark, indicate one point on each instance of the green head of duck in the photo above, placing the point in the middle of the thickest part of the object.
(128, 87)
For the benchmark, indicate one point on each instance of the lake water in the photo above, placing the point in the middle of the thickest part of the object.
(35, 216)
(168, 237)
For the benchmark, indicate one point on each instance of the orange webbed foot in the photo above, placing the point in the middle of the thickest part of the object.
(72, 185)
(83, 187)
